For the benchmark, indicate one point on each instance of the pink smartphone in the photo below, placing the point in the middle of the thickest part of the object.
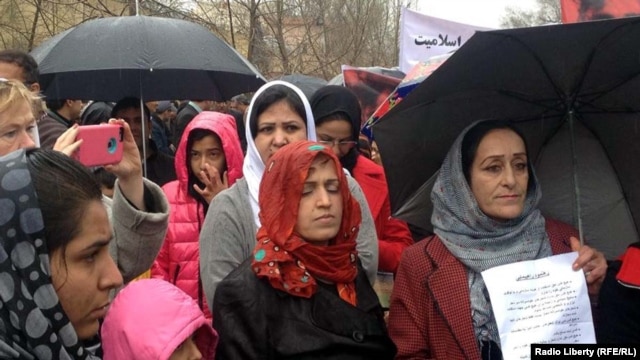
(101, 145)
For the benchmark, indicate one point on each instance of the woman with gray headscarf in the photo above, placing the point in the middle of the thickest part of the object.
(485, 214)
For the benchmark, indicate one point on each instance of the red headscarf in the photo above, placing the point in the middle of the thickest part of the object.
(281, 255)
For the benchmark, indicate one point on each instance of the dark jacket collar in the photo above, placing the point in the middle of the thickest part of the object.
(59, 118)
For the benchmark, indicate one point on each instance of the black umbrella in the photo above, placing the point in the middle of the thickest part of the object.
(146, 57)
(572, 89)
(308, 84)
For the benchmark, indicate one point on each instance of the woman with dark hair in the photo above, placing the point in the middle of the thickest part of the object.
(337, 113)
(208, 160)
(485, 214)
(279, 114)
(302, 294)
(56, 273)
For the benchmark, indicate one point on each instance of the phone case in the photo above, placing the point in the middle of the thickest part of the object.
(101, 145)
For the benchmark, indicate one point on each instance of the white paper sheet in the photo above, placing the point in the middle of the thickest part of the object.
(539, 301)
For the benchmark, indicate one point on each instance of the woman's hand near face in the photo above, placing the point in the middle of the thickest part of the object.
(592, 262)
(210, 177)
(129, 169)
(67, 143)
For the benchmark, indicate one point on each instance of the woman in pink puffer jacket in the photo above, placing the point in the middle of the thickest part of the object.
(209, 159)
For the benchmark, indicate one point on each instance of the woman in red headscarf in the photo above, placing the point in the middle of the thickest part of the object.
(302, 294)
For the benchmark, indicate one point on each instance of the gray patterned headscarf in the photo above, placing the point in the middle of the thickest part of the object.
(480, 242)
(33, 324)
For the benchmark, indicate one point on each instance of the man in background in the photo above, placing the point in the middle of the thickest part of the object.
(239, 103)
(18, 65)
(186, 114)
(59, 116)
(166, 112)
(160, 166)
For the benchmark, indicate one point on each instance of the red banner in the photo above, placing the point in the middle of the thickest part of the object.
(586, 10)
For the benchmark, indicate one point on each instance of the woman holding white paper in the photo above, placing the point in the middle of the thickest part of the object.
(485, 215)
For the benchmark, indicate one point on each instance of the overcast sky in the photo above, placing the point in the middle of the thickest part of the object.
(485, 13)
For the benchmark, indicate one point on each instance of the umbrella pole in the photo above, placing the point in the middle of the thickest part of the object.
(574, 165)
(144, 138)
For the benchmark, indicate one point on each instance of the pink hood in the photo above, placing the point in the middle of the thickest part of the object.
(150, 318)
(223, 125)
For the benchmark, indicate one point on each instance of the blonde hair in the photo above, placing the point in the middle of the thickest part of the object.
(13, 92)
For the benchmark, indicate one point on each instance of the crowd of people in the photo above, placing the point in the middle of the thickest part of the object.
(264, 223)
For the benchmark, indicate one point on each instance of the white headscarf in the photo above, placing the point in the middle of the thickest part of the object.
(253, 167)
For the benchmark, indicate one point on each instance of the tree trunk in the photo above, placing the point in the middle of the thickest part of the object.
(132, 7)
(34, 25)
(253, 28)
(233, 38)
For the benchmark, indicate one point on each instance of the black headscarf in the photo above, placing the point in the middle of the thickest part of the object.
(333, 100)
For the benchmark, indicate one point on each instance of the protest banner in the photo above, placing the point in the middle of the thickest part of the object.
(423, 37)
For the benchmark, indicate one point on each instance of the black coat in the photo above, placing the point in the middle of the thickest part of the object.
(50, 127)
(183, 118)
(256, 321)
(160, 167)
(618, 312)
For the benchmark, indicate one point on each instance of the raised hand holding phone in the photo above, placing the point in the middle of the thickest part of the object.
(129, 169)
(100, 144)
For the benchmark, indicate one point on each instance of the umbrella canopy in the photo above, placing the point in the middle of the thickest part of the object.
(308, 84)
(570, 88)
(146, 57)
